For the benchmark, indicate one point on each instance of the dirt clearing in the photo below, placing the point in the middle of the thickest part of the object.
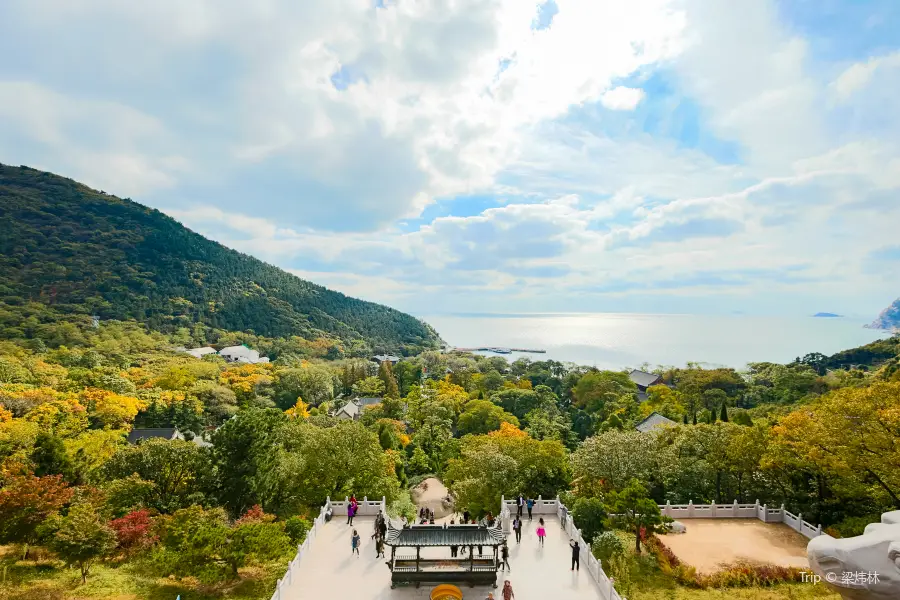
(710, 544)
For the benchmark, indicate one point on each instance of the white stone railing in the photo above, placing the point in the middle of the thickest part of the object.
(741, 511)
(367, 508)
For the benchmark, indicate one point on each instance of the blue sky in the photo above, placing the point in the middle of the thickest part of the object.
(491, 155)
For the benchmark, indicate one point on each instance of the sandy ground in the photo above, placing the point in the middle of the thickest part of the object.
(710, 544)
(430, 494)
(329, 570)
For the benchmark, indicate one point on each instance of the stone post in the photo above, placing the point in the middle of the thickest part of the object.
(690, 508)
(734, 509)
(668, 509)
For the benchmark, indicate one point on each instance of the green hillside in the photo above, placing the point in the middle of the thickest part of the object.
(83, 251)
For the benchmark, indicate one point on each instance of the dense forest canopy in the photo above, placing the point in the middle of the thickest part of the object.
(83, 251)
(815, 435)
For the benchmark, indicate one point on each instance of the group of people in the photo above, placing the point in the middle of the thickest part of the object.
(352, 509)
(541, 530)
(523, 503)
(426, 516)
(378, 535)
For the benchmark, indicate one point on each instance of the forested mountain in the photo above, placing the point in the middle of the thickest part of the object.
(83, 251)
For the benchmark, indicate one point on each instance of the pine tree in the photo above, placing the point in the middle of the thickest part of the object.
(724, 415)
(386, 375)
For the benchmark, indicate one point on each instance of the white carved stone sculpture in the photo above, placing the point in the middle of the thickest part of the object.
(847, 565)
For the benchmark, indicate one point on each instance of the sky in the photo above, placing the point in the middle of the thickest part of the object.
(453, 156)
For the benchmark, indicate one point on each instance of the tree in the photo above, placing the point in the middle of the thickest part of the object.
(370, 387)
(597, 390)
(128, 494)
(483, 416)
(613, 458)
(242, 452)
(517, 402)
(81, 537)
(508, 462)
(386, 376)
(313, 383)
(408, 373)
(134, 530)
(50, 458)
(636, 511)
(589, 516)
(724, 414)
(482, 475)
(311, 463)
(852, 433)
(300, 410)
(177, 468)
(201, 543)
(26, 502)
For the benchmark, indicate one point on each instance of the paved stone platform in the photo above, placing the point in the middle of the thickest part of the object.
(330, 571)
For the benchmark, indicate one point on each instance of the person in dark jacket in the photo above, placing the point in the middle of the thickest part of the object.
(517, 528)
(504, 555)
(576, 556)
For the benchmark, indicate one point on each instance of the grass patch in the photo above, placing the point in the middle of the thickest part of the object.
(643, 579)
(44, 578)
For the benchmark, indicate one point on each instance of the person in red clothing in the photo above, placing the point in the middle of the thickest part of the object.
(508, 593)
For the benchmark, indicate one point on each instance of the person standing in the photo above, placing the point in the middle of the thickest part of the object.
(354, 543)
(465, 518)
(520, 505)
(508, 593)
(541, 532)
(351, 512)
(576, 556)
(379, 547)
(530, 505)
(504, 554)
(517, 528)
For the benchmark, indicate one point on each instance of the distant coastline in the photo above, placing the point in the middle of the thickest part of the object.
(827, 315)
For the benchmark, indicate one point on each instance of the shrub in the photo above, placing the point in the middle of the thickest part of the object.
(296, 528)
(852, 526)
(134, 530)
(589, 516)
(606, 545)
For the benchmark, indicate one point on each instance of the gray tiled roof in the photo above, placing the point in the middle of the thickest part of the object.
(654, 421)
(439, 535)
(166, 433)
(643, 379)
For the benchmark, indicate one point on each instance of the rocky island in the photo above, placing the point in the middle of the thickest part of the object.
(889, 317)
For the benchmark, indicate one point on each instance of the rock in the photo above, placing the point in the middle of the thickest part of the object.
(863, 567)
(889, 317)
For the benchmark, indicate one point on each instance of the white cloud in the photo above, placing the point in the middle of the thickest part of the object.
(622, 98)
(858, 75)
(128, 155)
(225, 114)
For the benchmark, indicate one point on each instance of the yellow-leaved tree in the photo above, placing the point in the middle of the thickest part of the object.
(852, 433)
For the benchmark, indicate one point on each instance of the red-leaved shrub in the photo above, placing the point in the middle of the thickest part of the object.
(134, 530)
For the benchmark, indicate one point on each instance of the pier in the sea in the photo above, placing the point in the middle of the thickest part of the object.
(500, 350)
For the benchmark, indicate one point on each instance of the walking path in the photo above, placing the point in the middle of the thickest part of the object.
(330, 571)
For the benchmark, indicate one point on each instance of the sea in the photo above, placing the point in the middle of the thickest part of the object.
(623, 340)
